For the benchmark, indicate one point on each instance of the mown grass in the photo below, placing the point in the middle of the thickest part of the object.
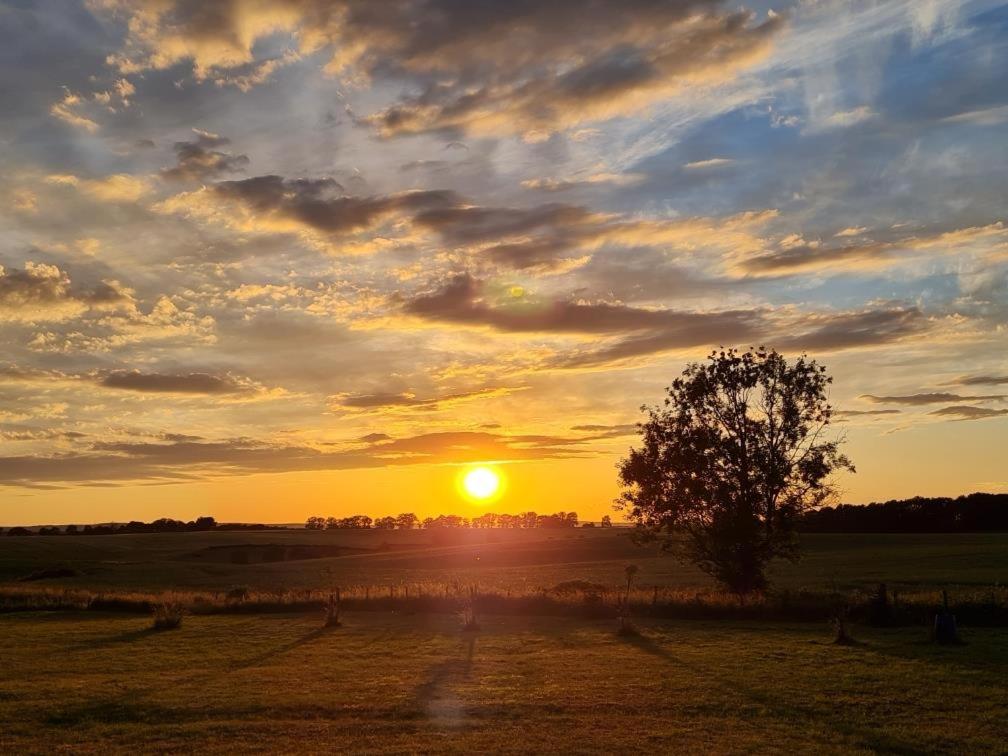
(391, 682)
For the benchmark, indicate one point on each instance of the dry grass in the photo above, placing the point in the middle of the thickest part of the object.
(976, 606)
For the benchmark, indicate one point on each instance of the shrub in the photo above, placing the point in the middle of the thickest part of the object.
(168, 616)
(49, 573)
(239, 593)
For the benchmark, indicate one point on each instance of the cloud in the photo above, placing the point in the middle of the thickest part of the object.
(795, 255)
(965, 412)
(549, 237)
(198, 160)
(594, 179)
(607, 431)
(118, 187)
(41, 293)
(849, 330)
(842, 119)
(865, 413)
(983, 117)
(66, 110)
(180, 383)
(932, 398)
(462, 300)
(708, 164)
(575, 64)
(317, 209)
(184, 459)
(981, 380)
(408, 400)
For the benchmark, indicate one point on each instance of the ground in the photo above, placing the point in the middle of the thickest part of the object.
(386, 682)
(517, 560)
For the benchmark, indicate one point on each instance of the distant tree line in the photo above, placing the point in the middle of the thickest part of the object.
(162, 525)
(975, 512)
(409, 521)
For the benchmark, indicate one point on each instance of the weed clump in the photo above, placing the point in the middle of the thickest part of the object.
(332, 612)
(469, 623)
(239, 593)
(842, 636)
(168, 616)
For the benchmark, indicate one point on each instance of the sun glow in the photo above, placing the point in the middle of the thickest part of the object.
(481, 483)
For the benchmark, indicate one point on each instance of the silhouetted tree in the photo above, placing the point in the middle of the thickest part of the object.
(732, 458)
(407, 521)
(315, 523)
(606, 521)
(205, 523)
(385, 523)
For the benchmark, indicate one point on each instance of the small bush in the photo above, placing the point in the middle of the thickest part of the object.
(239, 593)
(627, 628)
(168, 616)
(49, 573)
(333, 610)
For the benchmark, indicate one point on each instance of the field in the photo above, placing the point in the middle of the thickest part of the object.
(278, 683)
(399, 680)
(502, 559)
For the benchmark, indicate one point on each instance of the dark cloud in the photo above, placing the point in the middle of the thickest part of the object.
(200, 159)
(182, 383)
(981, 380)
(829, 331)
(926, 398)
(461, 300)
(865, 413)
(807, 257)
(321, 204)
(466, 225)
(965, 412)
(408, 400)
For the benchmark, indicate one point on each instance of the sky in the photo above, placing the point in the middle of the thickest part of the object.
(266, 260)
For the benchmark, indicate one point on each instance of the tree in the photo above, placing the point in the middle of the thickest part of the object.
(385, 523)
(407, 521)
(315, 523)
(732, 458)
(606, 521)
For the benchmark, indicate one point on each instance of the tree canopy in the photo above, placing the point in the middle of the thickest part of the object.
(732, 457)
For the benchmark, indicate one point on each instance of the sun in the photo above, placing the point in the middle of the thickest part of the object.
(481, 483)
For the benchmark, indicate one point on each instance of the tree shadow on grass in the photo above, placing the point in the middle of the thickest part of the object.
(773, 703)
(434, 698)
(130, 636)
(258, 659)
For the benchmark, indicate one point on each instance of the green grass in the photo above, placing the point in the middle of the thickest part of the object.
(387, 682)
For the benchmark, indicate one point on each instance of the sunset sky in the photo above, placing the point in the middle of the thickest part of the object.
(265, 260)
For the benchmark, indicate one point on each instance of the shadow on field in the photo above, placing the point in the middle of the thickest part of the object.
(770, 701)
(434, 697)
(272, 653)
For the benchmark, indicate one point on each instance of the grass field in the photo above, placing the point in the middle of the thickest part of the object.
(400, 680)
(93, 682)
(514, 560)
